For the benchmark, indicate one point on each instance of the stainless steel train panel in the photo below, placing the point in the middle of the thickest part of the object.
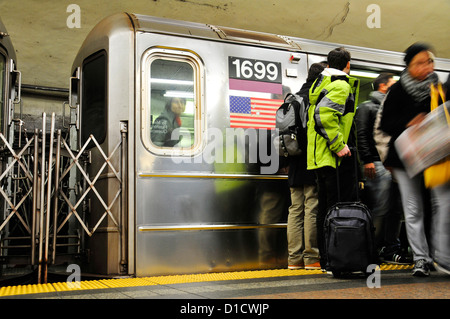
(187, 212)
(14, 227)
(10, 82)
(112, 40)
(185, 204)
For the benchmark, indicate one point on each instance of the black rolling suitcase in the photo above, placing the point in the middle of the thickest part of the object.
(349, 236)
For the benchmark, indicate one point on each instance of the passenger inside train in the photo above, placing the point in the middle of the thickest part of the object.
(167, 122)
(380, 193)
(172, 103)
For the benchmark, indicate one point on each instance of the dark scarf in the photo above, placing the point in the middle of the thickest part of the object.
(419, 90)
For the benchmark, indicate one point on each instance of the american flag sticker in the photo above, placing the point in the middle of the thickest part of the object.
(253, 112)
(255, 86)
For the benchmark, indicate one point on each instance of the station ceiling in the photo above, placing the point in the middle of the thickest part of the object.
(46, 43)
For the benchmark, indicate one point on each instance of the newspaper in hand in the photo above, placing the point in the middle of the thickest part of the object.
(426, 143)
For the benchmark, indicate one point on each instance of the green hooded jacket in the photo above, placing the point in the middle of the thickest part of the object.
(333, 99)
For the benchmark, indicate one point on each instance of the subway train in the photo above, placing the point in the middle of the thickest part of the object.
(156, 190)
(10, 99)
(10, 80)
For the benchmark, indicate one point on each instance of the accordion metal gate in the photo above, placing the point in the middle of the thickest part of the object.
(45, 187)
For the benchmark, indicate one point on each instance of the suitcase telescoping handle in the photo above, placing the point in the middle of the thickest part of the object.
(354, 155)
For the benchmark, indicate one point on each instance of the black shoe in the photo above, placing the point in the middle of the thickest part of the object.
(397, 259)
(431, 266)
(421, 268)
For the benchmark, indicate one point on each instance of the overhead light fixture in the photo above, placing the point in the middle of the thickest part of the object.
(370, 75)
(175, 82)
(364, 74)
(186, 95)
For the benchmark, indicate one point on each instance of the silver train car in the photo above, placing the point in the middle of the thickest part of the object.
(206, 194)
(10, 79)
(10, 99)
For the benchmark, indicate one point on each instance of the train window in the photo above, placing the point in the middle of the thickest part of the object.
(366, 78)
(93, 98)
(171, 112)
(2, 88)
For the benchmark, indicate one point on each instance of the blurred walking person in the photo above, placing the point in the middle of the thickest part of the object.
(406, 103)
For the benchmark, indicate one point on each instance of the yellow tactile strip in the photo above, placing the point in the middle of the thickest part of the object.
(165, 280)
(28, 289)
(395, 267)
(80, 285)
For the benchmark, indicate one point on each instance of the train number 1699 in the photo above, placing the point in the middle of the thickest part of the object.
(256, 70)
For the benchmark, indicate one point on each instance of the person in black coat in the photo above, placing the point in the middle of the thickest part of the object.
(167, 122)
(380, 192)
(303, 251)
(407, 102)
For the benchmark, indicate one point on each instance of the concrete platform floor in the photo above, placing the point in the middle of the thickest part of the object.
(391, 283)
(252, 294)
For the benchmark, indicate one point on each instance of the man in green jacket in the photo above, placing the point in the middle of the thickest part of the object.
(331, 134)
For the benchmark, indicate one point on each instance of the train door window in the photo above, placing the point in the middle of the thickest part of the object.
(171, 101)
(94, 98)
(2, 88)
(366, 78)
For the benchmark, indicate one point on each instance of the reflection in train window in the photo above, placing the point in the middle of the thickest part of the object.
(93, 103)
(171, 116)
(2, 89)
(172, 86)
(172, 103)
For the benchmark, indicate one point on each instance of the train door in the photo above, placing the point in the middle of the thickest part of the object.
(196, 211)
(14, 199)
(364, 71)
(10, 90)
(2, 88)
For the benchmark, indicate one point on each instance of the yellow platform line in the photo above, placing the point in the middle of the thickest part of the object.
(238, 275)
(127, 282)
(395, 267)
(166, 280)
(79, 285)
(26, 289)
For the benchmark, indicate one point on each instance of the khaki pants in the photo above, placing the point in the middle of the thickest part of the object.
(301, 227)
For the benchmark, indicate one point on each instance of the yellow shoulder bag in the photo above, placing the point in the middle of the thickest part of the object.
(438, 173)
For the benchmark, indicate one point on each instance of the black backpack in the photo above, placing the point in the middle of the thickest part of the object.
(291, 117)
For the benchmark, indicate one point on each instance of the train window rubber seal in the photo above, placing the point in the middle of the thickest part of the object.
(178, 55)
